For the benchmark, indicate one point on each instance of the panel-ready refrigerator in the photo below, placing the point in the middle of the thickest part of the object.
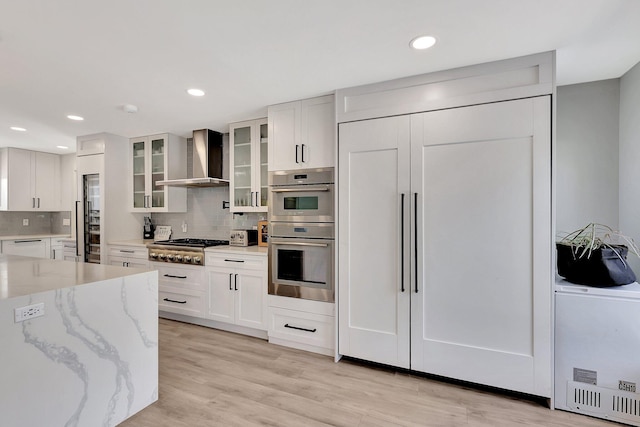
(597, 351)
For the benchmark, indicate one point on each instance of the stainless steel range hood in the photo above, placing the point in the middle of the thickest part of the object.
(206, 161)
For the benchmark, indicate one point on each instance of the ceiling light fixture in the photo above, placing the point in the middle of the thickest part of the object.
(195, 92)
(130, 108)
(62, 147)
(422, 42)
(18, 129)
(77, 118)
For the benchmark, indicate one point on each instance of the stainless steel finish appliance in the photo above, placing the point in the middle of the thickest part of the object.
(305, 195)
(243, 237)
(302, 234)
(208, 162)
(301, 260)
(181, 251)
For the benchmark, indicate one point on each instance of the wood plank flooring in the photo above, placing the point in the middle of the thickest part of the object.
(215, 378)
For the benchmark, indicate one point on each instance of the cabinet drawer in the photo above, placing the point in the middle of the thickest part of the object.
(233, 260)
(181, 301)
(181, 277)
(304, 328)
(129, 251)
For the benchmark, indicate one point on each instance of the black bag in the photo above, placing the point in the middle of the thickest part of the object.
(604, 267)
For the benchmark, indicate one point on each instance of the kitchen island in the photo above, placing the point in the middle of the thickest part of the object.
(87, 353)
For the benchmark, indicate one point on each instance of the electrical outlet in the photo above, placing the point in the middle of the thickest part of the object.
(66, 221)
(29, 312)
(25, 222)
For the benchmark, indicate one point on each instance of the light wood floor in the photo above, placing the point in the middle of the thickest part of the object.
(215, 378)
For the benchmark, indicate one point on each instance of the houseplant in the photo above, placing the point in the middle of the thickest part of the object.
(596, 255)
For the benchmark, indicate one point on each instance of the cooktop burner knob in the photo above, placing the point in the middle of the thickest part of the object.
(153, 255)
(178, 258)
(169, 257)
(197, 260)
(187, 258)
(162, 256)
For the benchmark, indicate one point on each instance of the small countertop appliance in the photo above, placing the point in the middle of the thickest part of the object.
(243, 237)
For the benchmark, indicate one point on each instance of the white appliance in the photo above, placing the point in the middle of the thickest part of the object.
(597, 351)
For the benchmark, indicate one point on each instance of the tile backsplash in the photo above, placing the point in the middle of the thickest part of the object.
(11, 223)
(205, 218)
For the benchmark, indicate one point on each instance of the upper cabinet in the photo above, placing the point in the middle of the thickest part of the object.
(248, 156)
(302, 134)
(30, 180)
(157, 158)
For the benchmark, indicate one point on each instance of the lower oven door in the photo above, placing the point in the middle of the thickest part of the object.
(301, 268)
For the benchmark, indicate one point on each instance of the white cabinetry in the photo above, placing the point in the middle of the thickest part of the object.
(31, 247)
(57, 248)
(461, 286)
(181, 289)
(129, 256)
(302, 134)
(303, 324)
(69, 250)
(30, 180)
(237, 289)
(157, 158)
(248, 156)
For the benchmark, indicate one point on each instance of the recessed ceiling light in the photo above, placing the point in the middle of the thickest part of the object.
(195, 92)
(62, 147)
(19, 129)
(72, 117)
(423, 42)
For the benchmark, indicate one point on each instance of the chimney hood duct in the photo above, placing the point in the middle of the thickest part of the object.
(207, 162)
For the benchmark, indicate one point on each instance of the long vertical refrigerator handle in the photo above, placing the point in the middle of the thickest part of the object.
(415, 237)
(77, 234)
(402, 242)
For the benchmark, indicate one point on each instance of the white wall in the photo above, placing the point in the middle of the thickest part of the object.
(630, 157)
(587, 154)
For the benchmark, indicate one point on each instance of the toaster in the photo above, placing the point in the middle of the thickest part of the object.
(243, 238)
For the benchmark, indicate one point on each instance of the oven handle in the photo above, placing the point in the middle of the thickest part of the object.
(299, 190)
(282, 242)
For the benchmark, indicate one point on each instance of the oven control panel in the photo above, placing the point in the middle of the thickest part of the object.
(194, 257)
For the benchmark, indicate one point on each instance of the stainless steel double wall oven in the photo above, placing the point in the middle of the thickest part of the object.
(302, 231)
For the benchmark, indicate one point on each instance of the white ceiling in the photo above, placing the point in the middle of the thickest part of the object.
(90, 57)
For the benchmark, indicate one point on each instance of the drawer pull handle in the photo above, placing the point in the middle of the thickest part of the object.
(175, 277)
(126, 252)
(233, 260)
(300, 329)
(172, 300)
(27, 241)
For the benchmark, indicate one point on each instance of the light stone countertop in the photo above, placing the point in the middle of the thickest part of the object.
(132, 242)
(249, 250)
(20, 276)
(33, 236)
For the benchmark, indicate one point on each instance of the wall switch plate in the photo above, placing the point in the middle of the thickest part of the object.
(25, 222)
(29, 312)
(66, 221)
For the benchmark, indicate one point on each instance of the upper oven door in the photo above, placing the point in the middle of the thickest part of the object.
(307, 203)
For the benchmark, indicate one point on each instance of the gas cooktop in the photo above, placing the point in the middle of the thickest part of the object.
(194, 243)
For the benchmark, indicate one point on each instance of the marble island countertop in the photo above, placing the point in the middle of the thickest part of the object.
(20, 276)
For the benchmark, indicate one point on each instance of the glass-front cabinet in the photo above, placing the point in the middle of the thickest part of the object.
(157, 158)
(249, 144)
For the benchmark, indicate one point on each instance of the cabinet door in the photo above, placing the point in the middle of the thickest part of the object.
(251, 300)
(156, 150)
(46, 176)
(284, 135)
(261, 164)
(241, 189)
(139, 169)
(222, 289)
(481, 311)
(21, 191)
(374, 255)
(317, 132)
